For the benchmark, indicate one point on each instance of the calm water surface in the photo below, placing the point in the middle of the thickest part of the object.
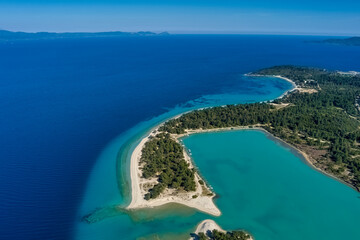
(69, 105)
(266, 189)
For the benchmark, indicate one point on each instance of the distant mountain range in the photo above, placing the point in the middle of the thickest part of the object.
(8, 35)
(353, 41)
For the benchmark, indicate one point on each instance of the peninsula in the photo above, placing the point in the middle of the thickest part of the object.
(320, 118)
(162, 172)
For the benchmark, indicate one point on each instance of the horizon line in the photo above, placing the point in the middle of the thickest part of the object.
(201, 32)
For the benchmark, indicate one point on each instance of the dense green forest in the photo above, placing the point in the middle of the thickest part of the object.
(216, 235)
(163, 158)
(324, 123)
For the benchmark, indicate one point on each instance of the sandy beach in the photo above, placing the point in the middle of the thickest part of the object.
(295, 87)
(277, 76)
(286, 79)
(209, 225)
(202, 202)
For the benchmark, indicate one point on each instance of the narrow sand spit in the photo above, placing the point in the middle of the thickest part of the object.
(199, 199)
(209, 225)
(202, 201)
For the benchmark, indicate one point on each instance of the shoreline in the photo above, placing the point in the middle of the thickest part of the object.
(294, 86)
(206, 203)
(301, 154)
(305, 158)
(201, 203)
(206, 226)
(209, 225)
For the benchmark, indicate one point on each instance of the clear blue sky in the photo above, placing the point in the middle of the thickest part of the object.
(331, 17)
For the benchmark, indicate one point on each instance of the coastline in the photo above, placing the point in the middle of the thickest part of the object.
(305, 158)
(301, 154)
(206, 226)
(205, 203)
(295, 87)
(209, 225)
(201, 203)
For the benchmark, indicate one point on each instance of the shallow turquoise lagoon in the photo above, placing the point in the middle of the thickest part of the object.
(64, 101)
(108, 183)
(263, 187)
(266, 188)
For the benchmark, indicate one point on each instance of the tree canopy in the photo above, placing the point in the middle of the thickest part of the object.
(323, 121)
(162, 157)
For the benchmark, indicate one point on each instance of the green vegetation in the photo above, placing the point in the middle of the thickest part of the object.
(216, 235)
(163, 158)
(324, 124)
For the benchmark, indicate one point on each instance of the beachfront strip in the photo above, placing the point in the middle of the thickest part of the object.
(198, 195)
(319, 117)
(208, 229)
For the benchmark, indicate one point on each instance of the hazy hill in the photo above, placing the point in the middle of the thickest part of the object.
(353, 41)
(8, 35)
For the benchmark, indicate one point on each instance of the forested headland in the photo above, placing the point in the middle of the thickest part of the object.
(163, 158)
(323, 122)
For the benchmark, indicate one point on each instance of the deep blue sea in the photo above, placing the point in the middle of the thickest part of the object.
(64, 101)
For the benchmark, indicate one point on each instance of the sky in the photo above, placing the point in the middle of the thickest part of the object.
(312, 17)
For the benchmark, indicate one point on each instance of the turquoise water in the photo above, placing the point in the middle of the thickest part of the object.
(69, 105)
(265, 188)
(109, 185)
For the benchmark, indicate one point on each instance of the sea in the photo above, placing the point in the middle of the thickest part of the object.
(72, 110)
